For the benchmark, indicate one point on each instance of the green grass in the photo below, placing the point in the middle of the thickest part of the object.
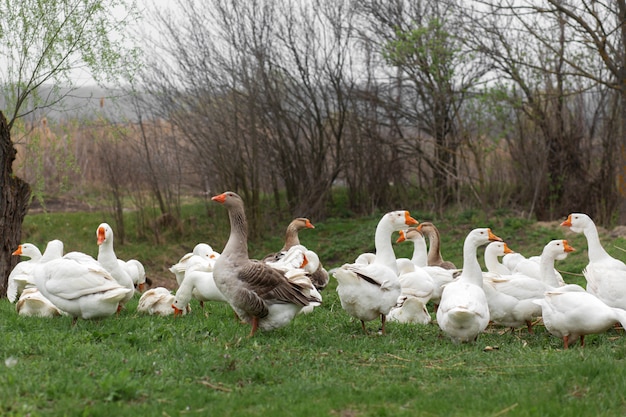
(321, 364)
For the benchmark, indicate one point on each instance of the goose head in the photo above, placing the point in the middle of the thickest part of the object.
(557, 249)
(229, 199)
(577, 222)
(104, 233)
(204, 250)
(498, 248)
(482, 236)
(302, 223)
(28, 250)
(177, 310)
(399, 219)
(411, 234)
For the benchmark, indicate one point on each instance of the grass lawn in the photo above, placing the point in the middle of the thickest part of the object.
(320, 365)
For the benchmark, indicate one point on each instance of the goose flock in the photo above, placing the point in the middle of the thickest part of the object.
(269, 293)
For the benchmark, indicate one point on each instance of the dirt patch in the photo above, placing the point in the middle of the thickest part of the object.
(56, 205)
(619, 231)
(155, 280)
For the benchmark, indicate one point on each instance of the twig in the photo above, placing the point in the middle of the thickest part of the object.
(504, 411)
(215, 387)
(569, 273)
(617, 247)
(398, 357)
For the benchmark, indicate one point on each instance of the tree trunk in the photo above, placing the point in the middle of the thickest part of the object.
(621, 78)
(14, 202)
(621, 176)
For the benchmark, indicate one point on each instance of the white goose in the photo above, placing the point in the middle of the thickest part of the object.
(531, 267)
(463, 312)
(522, 286)
(370, 291)
(198, 284)
(137, 273)
(78, 285)
(504, 309)
(33, 304)
(260, 295)
(54, 250)
(202, 253)
(572, 315)
(21, 274)
(317, 273)
(605, 275)
(438, 275)
(493, 251)
(158, 301)
(108, 259)
(409, 309)
(414, 279)
(525, 289)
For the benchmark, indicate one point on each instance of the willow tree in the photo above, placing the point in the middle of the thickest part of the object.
(43, 44)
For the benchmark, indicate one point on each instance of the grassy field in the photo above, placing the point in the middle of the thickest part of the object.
(321, 364)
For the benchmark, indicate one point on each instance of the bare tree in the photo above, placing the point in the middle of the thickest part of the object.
(435, 74)
(307, 84)
(262, 95)
(552, 51)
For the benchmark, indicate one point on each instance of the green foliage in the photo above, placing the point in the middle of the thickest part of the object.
(42, 42)
(430, 48)
(204, 364)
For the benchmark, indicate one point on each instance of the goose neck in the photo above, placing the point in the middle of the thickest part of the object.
(419, 253)
(471, 268)
(596, 251)
(384, 251)
(238, 239)
(546, 270)
(491, 261)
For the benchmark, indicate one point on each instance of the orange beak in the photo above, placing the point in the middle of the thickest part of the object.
(567, 247)
(309, 225)
(402, 237)
(410, 221)
(493, 237)
(304, 262)
(177, 311)
(141, 287)
(18, 251)
(219, 198)
(567, 222)
(507, 249)
(101, 235)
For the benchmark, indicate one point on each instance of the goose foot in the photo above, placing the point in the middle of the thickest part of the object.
(529, 326)
(255, 326)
